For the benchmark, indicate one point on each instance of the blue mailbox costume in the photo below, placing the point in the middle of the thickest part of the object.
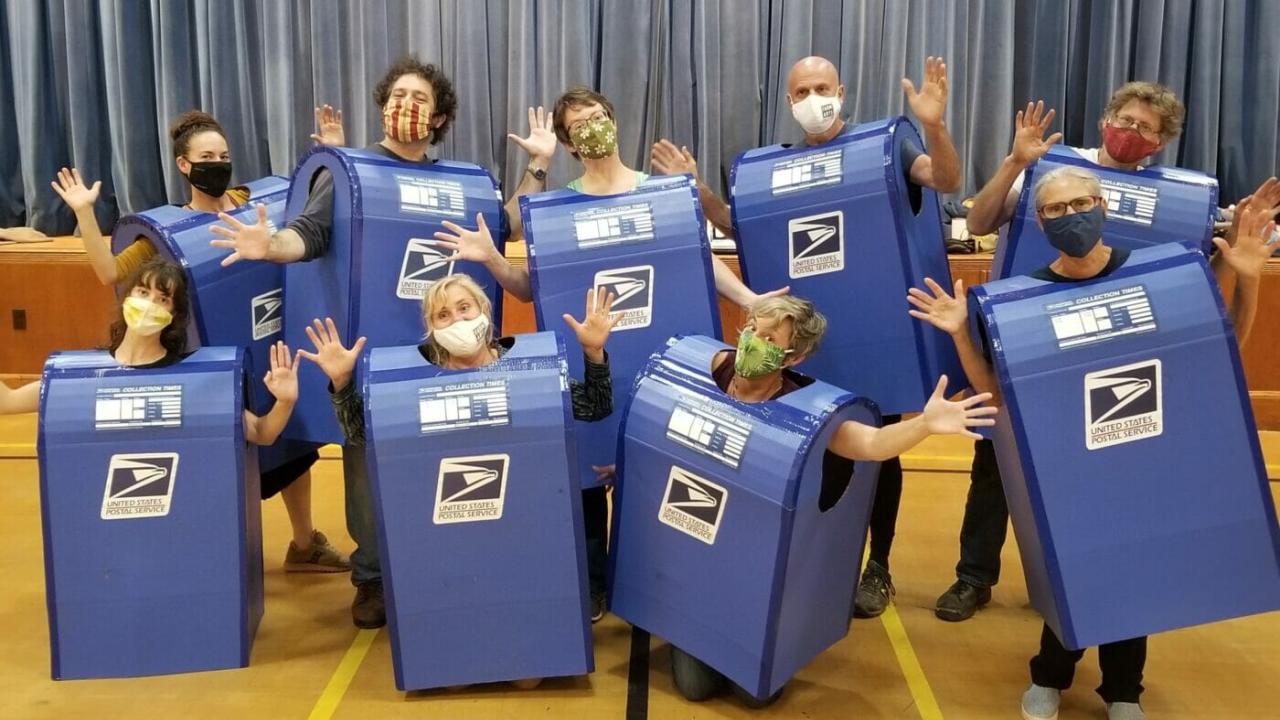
(139, 468)
(841, 224)
(380, 263)
(649, 247)
(1152, 206)
(479, 517)
(1110, 386)
(722, 544)
(237, 306)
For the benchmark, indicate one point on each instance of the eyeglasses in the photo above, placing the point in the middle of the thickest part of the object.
(595, 117)
(1082, 204)
(1124, 122)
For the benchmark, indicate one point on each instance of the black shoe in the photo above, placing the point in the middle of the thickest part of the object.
(369, 609)
(875, 592)
(599, 606)
(961, 601)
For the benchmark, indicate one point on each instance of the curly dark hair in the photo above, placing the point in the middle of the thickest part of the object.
(160, 274)
(188, 125)
(446, 101)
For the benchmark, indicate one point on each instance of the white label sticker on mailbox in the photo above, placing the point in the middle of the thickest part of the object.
(431, 196)
(137, 407)
(1102, 316)
(1130, 202)
(463, 405)
(608, 226)
(711, 429)
(808, 171)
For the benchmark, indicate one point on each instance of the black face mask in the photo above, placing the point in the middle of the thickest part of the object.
(211, 177)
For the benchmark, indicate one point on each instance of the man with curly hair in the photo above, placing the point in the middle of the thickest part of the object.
(418, 105)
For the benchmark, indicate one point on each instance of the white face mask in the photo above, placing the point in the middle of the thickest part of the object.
(464, 338)
(816, 113)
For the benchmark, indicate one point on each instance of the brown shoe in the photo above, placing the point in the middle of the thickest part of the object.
(369, 609)
(321, 557)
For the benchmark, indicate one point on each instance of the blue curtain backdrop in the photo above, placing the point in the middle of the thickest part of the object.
(97, 83)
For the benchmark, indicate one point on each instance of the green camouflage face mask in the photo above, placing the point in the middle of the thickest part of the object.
(595, 139)
(757, 357)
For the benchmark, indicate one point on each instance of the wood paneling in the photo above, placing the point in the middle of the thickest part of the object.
(66, 308)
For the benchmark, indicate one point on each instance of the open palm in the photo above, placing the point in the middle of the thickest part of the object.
(71, 188)
(946, 312)
(541, 141)
(337, 361)
(282, 379)
(929, 105)
(593, 331)
(944, 417)
(1029, 127)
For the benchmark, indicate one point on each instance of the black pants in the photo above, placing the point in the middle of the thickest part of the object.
(884, 509)
(986, 520)
(595, 517)
(1121, 662)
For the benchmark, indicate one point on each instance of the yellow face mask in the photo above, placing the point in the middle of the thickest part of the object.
(145, 317)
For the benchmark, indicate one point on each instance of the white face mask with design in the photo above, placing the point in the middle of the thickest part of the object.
(464, 338)
(816, 113)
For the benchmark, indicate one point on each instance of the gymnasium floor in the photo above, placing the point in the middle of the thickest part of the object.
(308, 660)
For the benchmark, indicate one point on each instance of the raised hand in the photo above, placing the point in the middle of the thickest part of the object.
(668, 159)
(944, 417)
(470, 245)
(930, 104)
(1267, 196)
(248, 242)
(948, 313)
(541, 142)
(1029, 127)
(73, 192)
(282, 379)
(336, 360)
(1253, 230)
(594, 330)
(329, 127)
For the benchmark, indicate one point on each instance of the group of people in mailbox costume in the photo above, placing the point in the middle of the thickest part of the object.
(476, 465)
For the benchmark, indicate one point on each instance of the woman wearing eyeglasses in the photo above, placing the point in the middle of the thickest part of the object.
(1069, 208)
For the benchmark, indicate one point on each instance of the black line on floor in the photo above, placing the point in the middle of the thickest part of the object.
(638, 676)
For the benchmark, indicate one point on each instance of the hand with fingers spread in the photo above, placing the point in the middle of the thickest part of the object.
(668, 159)
(948, 313)
(282, 379)
(73, 191)
(247, 242)
(1029, 127)
(469, 245)
(329, 129)
(930, 104)
(593, 331)
(541, 142)
(1253, 246)
(944, 417)
(336, 360)
(1267, 196)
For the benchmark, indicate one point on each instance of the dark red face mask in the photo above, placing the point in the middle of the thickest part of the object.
(1126, 145)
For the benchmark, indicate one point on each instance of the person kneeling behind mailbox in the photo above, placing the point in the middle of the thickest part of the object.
(459, 324)
(780, 333)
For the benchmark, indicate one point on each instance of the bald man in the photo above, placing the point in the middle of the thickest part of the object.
(815, 95)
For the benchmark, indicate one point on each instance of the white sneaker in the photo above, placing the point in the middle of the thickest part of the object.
(1040, 703)
(1125, 711)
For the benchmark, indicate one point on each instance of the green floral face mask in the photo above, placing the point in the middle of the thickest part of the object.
(595, 139)
(757, 357)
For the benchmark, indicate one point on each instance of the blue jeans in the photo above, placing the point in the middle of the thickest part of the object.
(366, 566)
(986, 520)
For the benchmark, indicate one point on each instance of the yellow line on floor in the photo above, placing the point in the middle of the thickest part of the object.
(341, 679)
(917, 683)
